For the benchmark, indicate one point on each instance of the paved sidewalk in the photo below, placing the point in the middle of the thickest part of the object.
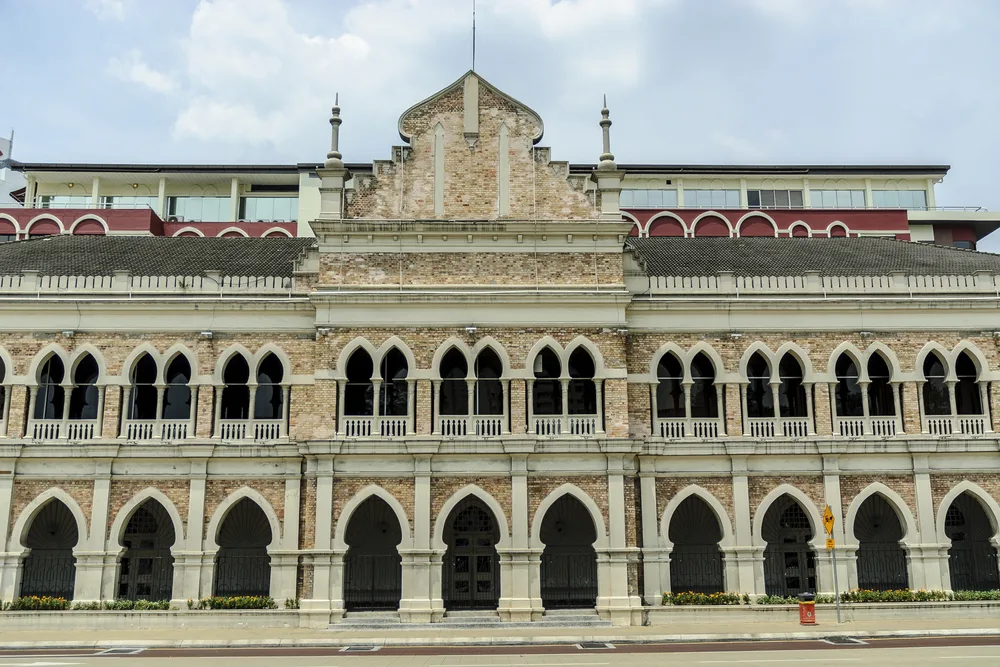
(690, 632)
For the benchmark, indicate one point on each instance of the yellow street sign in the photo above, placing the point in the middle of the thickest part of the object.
(829, 543)
(828, 520)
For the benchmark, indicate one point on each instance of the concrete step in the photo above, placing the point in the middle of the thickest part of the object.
(561, 618)
(370, 618)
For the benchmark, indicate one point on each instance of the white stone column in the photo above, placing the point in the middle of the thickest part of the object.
(749, 558)
(520, 599)
(285, 561)
(193, 569)
(319, 604)
(9, 563)
(616, 603)
(234, 200)
(421, 600)
(599, 390)
(564, 395)
(810, 422)
(161, 198)
(928, 557)
(653, 557)
(95, 192)
(824, 560)
(95, 567)
(896, 407)
(436, 423)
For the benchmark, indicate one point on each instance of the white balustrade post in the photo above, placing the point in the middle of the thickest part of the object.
(530, 400)
(158, 428)
(436, 423)
(896, 408)
(599, 400)
(953, 404)
(810, 422)
(686, 388)
(341, 394)
(564, 394)
(286, 396)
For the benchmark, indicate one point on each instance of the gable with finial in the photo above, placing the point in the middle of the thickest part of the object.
(471, 154)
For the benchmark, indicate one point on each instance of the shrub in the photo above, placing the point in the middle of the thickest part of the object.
(975, 596)
(123, 605)
(35, 603)
(692, 598)
(238, 602)
(900, 595)
(291, 603)
(782, 599)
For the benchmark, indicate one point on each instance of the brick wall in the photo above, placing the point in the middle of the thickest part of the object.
(26, 490)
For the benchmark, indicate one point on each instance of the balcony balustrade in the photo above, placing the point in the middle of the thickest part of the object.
(681, 427)
(256, 430)
(857, 427)
(139, 430)
(555, 425)
(381, 427)
(956, 424)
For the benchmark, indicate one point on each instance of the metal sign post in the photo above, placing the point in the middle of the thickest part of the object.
(828, 524)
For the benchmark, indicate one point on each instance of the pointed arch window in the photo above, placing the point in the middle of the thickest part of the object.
(85, 398)
(49, 397)
(759, 397)
(359, 391)
(849, 399)
(235, 400)
(393, 391)
(177, 397)
(454, 388)
(935, 390)
(704, 396)
(686, 408)
(143, 392)
(489, 394)
(881, 395)
(670, 388)
(269, 393)
(582, 387)
(791, 391)
(546, 388)
(968, 400)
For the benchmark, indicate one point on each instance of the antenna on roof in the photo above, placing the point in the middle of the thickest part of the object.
(473, 35)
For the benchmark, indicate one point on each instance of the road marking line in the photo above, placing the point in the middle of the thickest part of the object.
(729, 662)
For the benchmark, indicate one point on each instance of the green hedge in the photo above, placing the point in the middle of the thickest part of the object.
(35, 603)
(238, 602)
(900, 595)
(123, 605)
(692, 598)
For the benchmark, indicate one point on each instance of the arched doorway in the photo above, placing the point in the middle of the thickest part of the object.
(472, 565)
(242, 566)
(50, 568)
(881, 559)
(373, 571)
(696, 561)
(569, 562)
(972, 558)
(789, 561)
(147, 568)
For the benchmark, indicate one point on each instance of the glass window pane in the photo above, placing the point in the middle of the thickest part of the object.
(670, 197)
(732, 198)
(781, 198)
(767, 198)
(641, 198)
(858, 198)
(625, 199)
(753, 198)
(655, 198)
(795, 198)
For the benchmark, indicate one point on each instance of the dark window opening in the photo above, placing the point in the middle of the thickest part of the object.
(791, 391)
(489, 388)
(849, 399)
(669, 387)
(236, 393)
(359, 392)
(177, 397)
(85, 396)
(760, 398)
(454, 387)
(392, 393)
(704, 399)
(968, 400)
(50, 397)
(143, 393)
(582, 388)
(880, 396)
(267, 403)
(936, 401)
(547, 389)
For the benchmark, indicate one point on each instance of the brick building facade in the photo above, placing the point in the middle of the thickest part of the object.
(473, 389)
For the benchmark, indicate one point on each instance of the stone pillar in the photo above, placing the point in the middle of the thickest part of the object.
(831, 491)
(994, 407)
(319, 605)
(9, 564)
(616, 407)
(614, 601)
(928, 558)
(95, 567)
(110, 418)
(421, 596)
(749, 558)
(518, 407)
(520, 599)
(192, 579)
(423, 407)
(822, 410)
(285, 560)
(653, 557)
(911, 408)
(734, 410)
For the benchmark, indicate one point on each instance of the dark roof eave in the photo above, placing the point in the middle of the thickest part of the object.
(804, 169)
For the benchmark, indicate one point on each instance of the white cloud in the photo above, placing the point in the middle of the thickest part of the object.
(133, 69)
(107, 9)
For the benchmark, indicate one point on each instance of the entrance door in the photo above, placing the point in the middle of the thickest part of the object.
(789, 561)
(569, 562)
(472, 564)
(372, 567)
(972, 559)
(147, 571)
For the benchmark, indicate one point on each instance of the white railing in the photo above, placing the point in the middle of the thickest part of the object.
(453, 425)
(680, 427)
(233, 429)
(31, 282)
(795, 427)
(883, 427)
(851, 427)
(141, 429)
(971, 424)
(392, 427)
(175, 429)
(939, 425)
(357, 427)
(256, 430)
(761, 427)
(266, 429)
(487, 426)
(46, 429)
(582, 424)
(81, 429)
(548, 425)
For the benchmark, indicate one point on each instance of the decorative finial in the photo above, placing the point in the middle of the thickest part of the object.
(333, 158)
(607, 157)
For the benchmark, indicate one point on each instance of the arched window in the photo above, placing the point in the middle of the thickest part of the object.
(968, 400)
(177, 397)
(760, 399)
(3, 387)
(791, 391)
(359, 392)
(142, 393)
(454, 388)
(936, 401)
(267, 403)
(704, 400)
(669, 387)
(880, 398)
(582, 389)
(83, 401)
(236, 393)
(489, 398)
(546, 390)
(50, 397)
(392, 393)
(849, 399)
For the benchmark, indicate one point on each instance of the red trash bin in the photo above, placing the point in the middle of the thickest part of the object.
(807, 609)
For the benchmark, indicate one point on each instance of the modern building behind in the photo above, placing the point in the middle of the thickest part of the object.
(471, 376)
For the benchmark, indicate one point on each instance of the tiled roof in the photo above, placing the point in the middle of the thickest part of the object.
(760, 256)
(152, 255)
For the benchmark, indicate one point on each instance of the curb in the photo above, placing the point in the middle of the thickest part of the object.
(494, 641)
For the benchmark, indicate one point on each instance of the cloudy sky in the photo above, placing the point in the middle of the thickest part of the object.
(709, 81)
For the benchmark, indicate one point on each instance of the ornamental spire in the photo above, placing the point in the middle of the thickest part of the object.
(333, 158)
(607, 157)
